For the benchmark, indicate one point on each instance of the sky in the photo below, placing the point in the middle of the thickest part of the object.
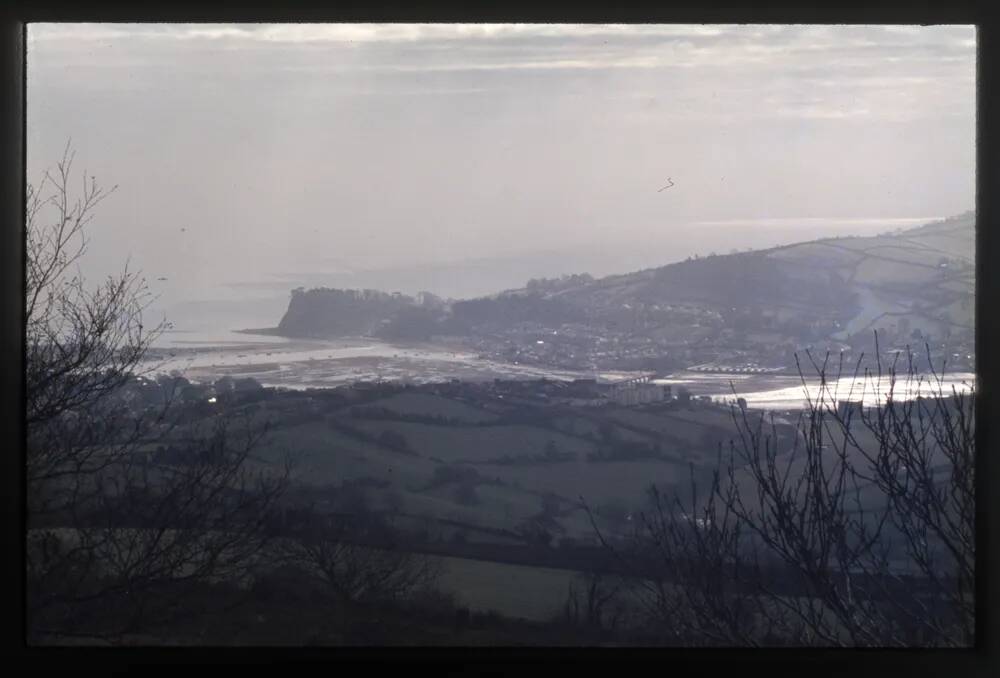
(394, 155)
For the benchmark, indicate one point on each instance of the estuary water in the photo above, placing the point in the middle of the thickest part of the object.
(304, 363)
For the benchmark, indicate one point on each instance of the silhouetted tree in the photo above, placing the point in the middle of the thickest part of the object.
(117, 541)
(860, 534)
(358, 560)
(593, 604)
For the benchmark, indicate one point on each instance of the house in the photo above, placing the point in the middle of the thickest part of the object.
(636, 391)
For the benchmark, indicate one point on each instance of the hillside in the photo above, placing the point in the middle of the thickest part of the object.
(324, 312)
(752, 307)
(923, 277)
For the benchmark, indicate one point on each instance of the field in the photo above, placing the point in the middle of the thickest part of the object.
(323, 456)
(596, 482)
(462, 480)
(427, 404)
(485, 472)
(477, 444)
(535, 593)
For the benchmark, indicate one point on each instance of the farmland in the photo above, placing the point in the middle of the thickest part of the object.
(496, 471)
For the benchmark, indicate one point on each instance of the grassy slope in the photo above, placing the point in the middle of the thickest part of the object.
(505, 495)
(907, 263)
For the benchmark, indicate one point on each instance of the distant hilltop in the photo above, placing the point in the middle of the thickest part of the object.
(918, 282)
(325, 312)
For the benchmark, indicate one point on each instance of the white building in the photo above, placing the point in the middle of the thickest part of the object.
(637, 391)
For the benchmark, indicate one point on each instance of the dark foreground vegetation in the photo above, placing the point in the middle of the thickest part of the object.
(165, 512)
(862, 535)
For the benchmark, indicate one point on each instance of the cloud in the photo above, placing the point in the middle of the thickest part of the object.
(834, 73)
(388, 32)
(753, 39)
(853, 72)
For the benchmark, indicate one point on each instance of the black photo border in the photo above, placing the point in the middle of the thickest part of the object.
(981, 660)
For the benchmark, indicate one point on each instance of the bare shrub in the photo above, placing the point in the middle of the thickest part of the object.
(593, 604)
(860, 533)
(358, 560)
(117, 543)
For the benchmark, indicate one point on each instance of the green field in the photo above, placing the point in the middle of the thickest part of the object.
(427, 404)
(476, 444)
(425, 478)
(535, 593)
(324, 456)
(597, 482)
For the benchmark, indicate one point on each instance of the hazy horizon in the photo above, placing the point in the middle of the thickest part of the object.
(325, 154)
